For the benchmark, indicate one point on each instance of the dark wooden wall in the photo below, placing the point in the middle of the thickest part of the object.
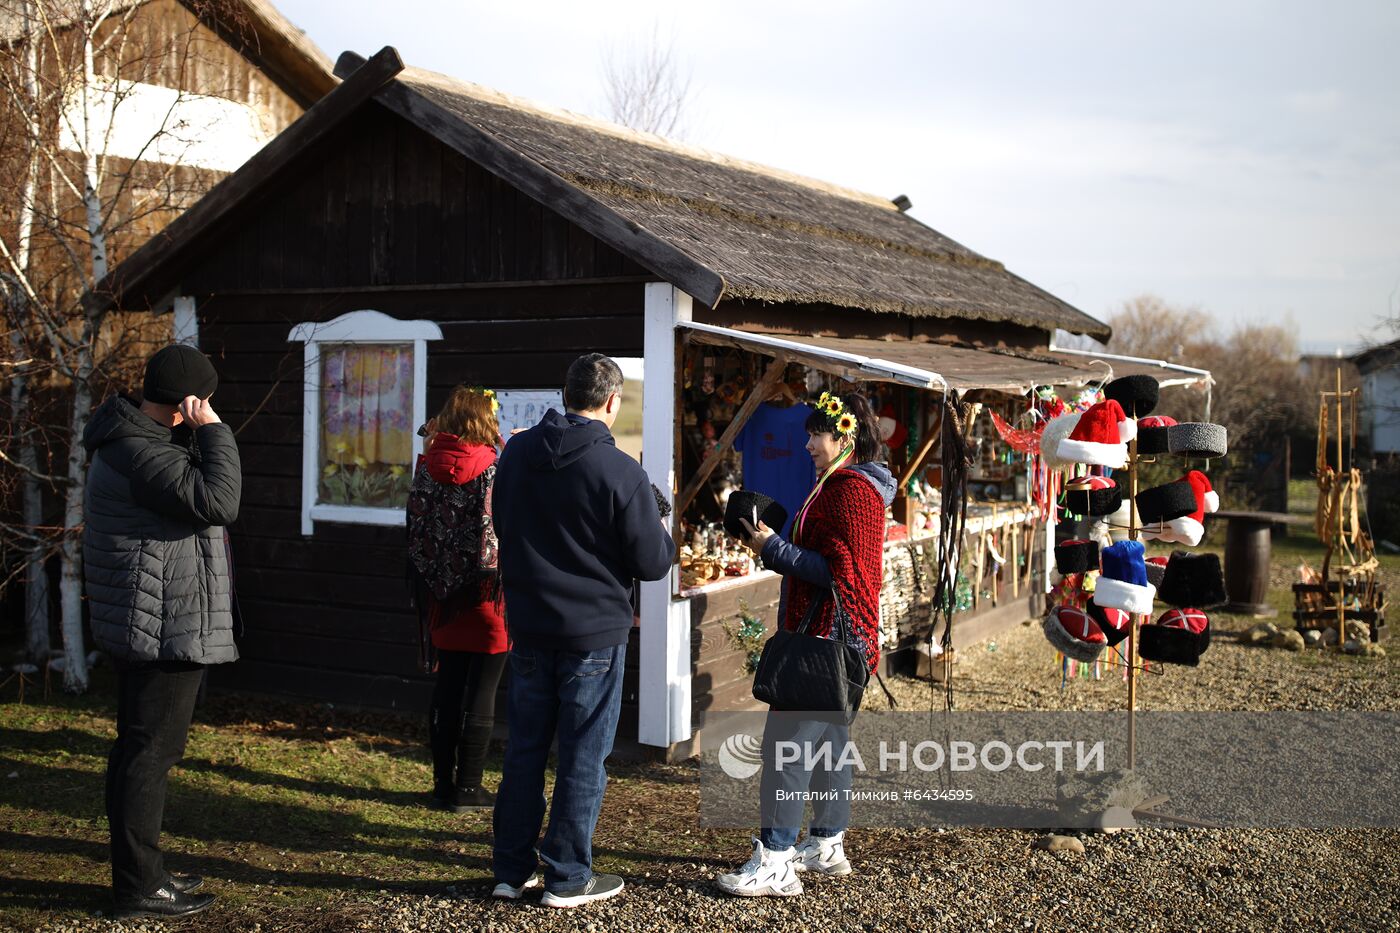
(381, 217)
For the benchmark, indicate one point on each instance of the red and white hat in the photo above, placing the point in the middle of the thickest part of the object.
(1114, 623)
(1189, 529)
(1074, 634)
(892, 432)
(1101, 437)
(1180, 636)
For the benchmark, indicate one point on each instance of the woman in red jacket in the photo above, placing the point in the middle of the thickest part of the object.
(837, 546)
(452, 548)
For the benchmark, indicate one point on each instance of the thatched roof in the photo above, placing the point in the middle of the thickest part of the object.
(255, 28)
(714, 226)
(770, 235)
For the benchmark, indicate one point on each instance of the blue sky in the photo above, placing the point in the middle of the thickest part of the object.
(1243, 157)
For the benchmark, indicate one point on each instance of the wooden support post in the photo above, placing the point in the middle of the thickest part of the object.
(1132, 617)
(1015, 535)
(770, 378)
(1341, 528)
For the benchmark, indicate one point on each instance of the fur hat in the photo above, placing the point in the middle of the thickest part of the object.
(1188, 529)
(1136, 394)
(1193, 580)
(1197, 439)
(1161, 504)
(1101, 437)
(1156, 570)
(1152, 434)
(1055, 431)
(745, 503)
(1123, 579)
(1076, 556)
(1114, 623)
(1092, 495)
(1073, 633)
(1180, 636)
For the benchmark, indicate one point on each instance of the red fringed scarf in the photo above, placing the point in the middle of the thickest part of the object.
(846, 525)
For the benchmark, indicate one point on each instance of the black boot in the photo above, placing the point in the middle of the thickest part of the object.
(472, 798)
(442, 739)
(165, 901)
(471, 762)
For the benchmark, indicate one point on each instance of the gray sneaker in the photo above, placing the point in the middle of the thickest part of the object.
(512, 892)
(598, 888)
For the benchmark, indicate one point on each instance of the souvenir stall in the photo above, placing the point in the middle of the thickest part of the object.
(743, 402)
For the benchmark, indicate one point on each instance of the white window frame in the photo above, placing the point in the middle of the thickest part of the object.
(363, 327)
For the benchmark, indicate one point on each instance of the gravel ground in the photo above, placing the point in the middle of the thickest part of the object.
(1150, 878)
(1018, 671)
(1154, 879)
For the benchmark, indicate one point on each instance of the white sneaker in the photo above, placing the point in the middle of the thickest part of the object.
(511, 892)
(825, 854)
(597, 888)
(768, 872)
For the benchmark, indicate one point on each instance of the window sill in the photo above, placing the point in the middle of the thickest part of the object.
(357, 515)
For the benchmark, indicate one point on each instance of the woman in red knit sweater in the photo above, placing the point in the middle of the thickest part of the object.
(452, 548)
(837, 546)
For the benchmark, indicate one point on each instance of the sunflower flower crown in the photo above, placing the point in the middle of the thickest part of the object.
(489, 393)
(831, 406)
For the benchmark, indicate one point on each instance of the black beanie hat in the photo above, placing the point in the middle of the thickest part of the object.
(1136, 395)
(178, 371)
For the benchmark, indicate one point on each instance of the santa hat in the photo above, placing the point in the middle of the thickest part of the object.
(1055, 431)
(1188, 529)
(1114, 623)
(1073, 633)
(1193, 580)
(1100, 437)
(1092, 495)
(1123, 579)
(1153, 437)
(1180, 636)
(1076, 556)
(892, 432)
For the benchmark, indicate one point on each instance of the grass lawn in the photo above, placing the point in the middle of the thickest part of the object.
(295, 810)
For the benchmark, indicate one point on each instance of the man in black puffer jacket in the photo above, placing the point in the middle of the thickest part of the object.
(163, 481)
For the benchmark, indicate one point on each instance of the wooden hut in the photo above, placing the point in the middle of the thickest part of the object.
(491, 241)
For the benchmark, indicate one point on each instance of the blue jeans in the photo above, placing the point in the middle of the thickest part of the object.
(780, 819)
(578, 695)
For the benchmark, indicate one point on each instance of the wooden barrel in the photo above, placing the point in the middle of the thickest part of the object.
(1247, 550)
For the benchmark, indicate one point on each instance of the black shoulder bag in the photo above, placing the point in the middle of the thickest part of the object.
(802, 672)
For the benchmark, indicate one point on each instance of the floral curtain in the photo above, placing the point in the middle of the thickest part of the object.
(366, 435)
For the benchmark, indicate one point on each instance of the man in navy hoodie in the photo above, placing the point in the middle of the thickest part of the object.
(577, 524)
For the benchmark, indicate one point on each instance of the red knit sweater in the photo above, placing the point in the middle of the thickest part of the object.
(846, 525)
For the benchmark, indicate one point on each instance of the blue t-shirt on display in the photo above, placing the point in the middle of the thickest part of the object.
(776, 462)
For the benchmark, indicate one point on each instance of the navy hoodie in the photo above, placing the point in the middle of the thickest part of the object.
(577, 523)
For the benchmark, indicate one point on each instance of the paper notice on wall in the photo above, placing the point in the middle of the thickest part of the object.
(523, 408)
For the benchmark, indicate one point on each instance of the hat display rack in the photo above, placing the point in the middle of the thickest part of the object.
(1122, 596)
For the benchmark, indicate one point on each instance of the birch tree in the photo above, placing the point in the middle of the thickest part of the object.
(94, 126)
